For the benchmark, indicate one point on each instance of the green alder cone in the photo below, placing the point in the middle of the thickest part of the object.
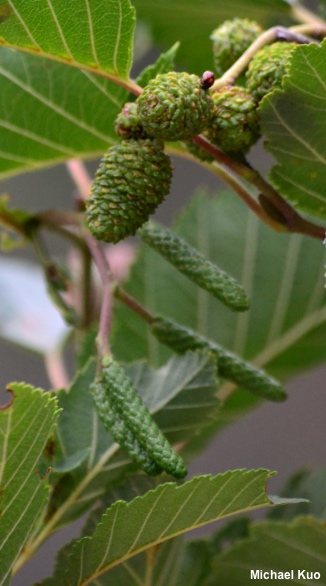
(267, 68)
(132, 180)
(195, 266)
(116, 385)
(231, 39)
(234, 125)
(230, 366)
(120, 432)
(127, 124)
(173, 106)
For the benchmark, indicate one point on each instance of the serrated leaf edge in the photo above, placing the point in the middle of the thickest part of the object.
(196, 480)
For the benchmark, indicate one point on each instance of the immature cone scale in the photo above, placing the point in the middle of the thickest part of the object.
(235, 123)
(174, 106)
(127, 124)
(267, 68)
(132, 180)
(231, 39)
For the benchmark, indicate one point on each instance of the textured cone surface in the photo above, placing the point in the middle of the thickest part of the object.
(174, 107)
(234, 126)
(127, 124)
(120, 432)
(195, 266)
(126, 401)
(230, 366)
(132, 180)
(231, 39)
(267, 68)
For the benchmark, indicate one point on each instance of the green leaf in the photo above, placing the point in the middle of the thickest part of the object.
(93, 35)
(299, 546)
(235, 529)
(128, 529)
(308, 485)
(25, 425)
(71, 462)
(294, 123)
(172, 563)
(181, 395)
(191, 23)
(163, 64)
(59, 112)
(283, 276)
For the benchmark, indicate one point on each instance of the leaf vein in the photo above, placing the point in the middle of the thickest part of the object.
(91, 34)
(180, 510)
(22, 21)
(52, 105)
(296, 136)
(60, 31)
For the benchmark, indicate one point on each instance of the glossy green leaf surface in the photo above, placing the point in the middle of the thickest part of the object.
(298, 547)
(62, 99)
(57, 112)
(294, 123)
(91, 34)
(25, 425)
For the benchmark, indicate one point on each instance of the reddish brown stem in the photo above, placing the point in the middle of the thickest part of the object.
(134, 305)
(293, 222)
(106, 307)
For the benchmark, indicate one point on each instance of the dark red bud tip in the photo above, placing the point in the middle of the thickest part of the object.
(207, 80)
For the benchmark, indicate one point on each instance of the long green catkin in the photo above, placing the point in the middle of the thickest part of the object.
(120, 432)
(126, 401)
(230, 366)
(195, 266)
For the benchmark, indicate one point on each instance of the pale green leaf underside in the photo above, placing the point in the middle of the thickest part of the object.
(127, 529)
(94, 34)
(50, 112)
(294, 123)
(281, 547)
(174, 563)
(181, 395)
(25, 426)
